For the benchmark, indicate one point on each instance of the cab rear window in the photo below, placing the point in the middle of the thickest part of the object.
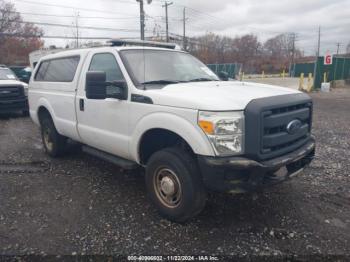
(58, 69)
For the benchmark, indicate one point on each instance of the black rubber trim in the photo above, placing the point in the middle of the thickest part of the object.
(240, 163)
(14, 105)
(241, 174)
(141, 99)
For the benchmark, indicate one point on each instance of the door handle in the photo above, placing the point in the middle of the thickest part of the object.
(81, 104)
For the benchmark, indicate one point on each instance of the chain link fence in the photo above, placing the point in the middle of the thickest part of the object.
(231, 69)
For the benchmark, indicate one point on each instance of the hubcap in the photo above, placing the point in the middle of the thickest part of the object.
(167, 187)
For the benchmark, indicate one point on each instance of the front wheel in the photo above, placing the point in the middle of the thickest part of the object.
(175, 185)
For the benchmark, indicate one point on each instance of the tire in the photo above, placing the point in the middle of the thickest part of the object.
(175, 172)
(54, 143)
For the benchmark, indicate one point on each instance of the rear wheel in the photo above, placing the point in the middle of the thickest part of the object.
(175, 185)
(54, 143)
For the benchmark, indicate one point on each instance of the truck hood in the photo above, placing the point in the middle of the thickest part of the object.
(12, 82)
(215, 96)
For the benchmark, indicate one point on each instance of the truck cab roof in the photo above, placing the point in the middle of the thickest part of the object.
(83, 51)
(114, 44)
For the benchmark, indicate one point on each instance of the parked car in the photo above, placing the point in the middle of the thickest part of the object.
(152, 105)
(23, 73)
(13, 93)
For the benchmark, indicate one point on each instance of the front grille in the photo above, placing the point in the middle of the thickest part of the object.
(275, 138)
(11, 92)
(266, 120)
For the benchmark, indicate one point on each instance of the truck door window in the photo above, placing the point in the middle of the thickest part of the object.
(106, 62)
(58, 69)
(40, 75)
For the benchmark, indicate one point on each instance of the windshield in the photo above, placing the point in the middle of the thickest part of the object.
(161, 67)
(7, 74)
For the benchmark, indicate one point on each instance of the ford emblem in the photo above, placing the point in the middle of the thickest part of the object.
(293, 126)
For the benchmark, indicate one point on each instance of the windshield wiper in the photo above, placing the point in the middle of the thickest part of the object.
(202, 79)
(160, 82)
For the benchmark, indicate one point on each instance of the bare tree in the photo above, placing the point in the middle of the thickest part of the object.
(280, 51)
(246, 50)
(212, 48)
(17, 39)
(9, 19)
(280, 45)
(273, 56)
(348, 49)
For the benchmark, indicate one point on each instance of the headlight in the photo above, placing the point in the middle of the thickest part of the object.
(25, 89)
(225, 131)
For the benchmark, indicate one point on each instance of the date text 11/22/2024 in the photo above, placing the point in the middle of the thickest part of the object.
(173, 258)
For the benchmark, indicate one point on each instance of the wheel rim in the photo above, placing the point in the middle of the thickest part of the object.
(167, 187)
(47, 139)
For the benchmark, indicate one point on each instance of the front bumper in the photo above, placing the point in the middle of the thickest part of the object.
(240, 175)
(9, 106)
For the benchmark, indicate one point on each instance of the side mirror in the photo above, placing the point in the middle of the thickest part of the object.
(95, 85)
(223, 76)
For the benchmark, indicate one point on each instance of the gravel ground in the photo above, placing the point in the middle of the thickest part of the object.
(81, 205)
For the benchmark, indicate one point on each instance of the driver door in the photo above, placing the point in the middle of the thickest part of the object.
(103, 124)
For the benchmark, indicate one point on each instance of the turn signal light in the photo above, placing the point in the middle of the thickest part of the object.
(207, 127)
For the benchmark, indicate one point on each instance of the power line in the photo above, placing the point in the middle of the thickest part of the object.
(73, 26)
(68, 7)
(70, 16)
(198, 19)
(52, 36)
(205, 18)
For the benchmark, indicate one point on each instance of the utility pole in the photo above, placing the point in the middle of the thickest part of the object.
(293, 47)
(142, 18)
(317, 54)
(77, 30)
(338, 46)
(336, 62)
(166, 4)
(184, 28)
(293, 54)
(319, 41)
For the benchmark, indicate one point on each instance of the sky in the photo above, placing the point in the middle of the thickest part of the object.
(266, 19)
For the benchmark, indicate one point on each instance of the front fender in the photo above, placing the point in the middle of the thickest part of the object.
(192, 134)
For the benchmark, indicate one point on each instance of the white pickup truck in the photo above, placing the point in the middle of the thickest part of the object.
(13, 92)
(149, 104)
